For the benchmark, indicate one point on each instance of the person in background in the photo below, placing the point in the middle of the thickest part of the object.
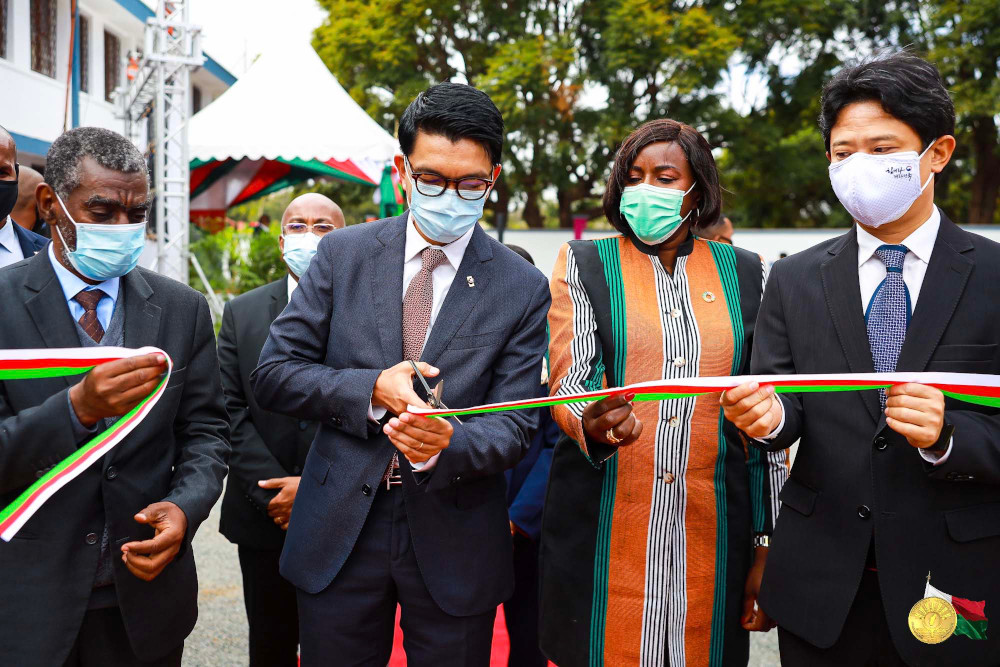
(262, 225)
(656, 523)
(395, 508)
(721, 231)
(25, 211)
(889, 487)
(269, 449)
(525, 498)
(103, 574)
(16, 242)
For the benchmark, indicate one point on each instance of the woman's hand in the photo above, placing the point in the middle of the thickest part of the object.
(611, 421)
(754, 619)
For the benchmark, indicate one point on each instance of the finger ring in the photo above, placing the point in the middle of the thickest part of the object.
(611, 437)
(420, 446)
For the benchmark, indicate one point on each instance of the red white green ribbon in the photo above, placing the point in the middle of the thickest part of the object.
(968, 387)
(47, 363)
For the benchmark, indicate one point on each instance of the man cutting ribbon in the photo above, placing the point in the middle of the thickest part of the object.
(102, 574)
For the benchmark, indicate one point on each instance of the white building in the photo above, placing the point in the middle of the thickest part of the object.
(44, 91)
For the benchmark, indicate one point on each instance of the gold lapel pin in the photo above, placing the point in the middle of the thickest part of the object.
(471, 281)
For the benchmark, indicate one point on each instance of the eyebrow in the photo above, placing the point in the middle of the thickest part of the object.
(98, 200)
(659, 167)
(485, 176)
(881, 137)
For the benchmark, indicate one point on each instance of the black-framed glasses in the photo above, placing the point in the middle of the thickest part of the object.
(430, 184)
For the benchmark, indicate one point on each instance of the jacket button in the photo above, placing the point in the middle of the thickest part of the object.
(303, 425)
(297, 470)
(456, 479)
(366, 489)
(112, 472)
(91, 538)
(864, 512)
(881, 443)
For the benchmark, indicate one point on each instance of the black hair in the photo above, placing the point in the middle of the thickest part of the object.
(455, 111)
(699, 157)
(109, 149)
(521, 251)
(907, 86)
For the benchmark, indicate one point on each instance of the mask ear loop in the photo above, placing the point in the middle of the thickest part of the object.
(920, 157)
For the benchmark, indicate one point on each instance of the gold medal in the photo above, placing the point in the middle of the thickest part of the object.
(932, 620)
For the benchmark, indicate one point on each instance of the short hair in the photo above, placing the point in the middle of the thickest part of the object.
(522, 252)
(455, 111)
(699, 157)
(108, 149)
(907, 86)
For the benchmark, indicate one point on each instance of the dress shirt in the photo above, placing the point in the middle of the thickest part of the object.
(441, 278)
(10, 247)
(72, 284)
(292, 284)
(871, 273)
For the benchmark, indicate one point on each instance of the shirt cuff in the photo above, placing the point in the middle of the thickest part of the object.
(375, 414)
(934, 459)
(80, 432)
(425, 466)
(774, 434)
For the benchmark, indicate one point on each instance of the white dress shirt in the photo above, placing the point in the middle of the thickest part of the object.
(10, 247)
(72, 285)
(441, 278)
(292, 284)
(871, 273)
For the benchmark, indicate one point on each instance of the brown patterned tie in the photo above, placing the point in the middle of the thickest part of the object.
(89, 300)
(418, 303)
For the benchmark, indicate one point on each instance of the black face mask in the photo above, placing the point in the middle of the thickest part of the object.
(8, 194)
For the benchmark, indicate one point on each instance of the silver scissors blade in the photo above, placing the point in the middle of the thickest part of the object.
(433, 395)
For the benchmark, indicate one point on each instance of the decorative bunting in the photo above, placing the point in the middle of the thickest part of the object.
(967, 387)
(47, 363)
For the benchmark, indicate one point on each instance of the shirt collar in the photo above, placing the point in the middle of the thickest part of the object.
(454, 251)
(920, 241)
(292, 284)
(72, 284)
(8, 238)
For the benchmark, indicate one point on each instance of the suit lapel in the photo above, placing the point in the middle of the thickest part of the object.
(279, 299)
(945, 280)
(385, 267)
(48, 309)
(142, 318)
(842, 289)
(462, 296)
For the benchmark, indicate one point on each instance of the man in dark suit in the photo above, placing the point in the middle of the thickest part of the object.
(269, 450)
(103, 574)
(16, 242)
(886, 486)
(417, 518)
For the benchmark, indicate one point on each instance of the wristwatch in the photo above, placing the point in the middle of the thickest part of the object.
(761, 540)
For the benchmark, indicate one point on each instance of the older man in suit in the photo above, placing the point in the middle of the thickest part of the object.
(16, 242)
(269, 450)
(392, 507)
(887, 486)
(103, 574)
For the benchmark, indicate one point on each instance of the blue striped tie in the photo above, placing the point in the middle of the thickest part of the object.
(888, 313)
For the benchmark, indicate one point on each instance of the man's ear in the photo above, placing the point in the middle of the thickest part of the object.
(941, 153)
(45, 202)
(404, 179)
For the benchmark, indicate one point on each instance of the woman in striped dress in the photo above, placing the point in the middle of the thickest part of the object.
(657, 514)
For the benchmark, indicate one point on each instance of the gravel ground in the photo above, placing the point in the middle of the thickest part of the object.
(220, 637)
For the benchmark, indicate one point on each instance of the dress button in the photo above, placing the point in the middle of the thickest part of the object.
(111, 473)
(864, 512)
(674, 421)
(366, 489)
(679, 361)
(91, 538)
(668, 478)
(881, 443)
(675, 313)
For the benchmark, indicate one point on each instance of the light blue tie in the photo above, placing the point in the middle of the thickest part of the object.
(888, 313)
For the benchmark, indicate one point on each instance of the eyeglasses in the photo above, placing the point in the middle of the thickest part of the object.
(430, 184)
(319, 228)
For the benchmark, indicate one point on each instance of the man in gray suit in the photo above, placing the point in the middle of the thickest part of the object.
(392, 507)
(103, 574)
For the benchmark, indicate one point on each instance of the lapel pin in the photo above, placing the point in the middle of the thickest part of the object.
(471, 281)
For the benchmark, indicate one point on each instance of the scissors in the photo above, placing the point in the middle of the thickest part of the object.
(433, 395)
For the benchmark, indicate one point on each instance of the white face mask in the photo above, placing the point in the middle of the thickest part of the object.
(876, 189)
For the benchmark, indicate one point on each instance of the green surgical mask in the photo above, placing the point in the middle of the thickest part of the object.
(653, 213)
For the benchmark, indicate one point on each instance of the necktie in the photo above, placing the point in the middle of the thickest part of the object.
(418, 303)
(89, 300)
(888, 313)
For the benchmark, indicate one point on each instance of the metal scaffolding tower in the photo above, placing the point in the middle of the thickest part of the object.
(157, 93)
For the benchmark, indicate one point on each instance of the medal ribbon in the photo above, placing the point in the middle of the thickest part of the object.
(967, 387)
(48, 363)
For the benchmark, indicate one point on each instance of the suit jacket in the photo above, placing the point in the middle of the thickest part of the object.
(342, 327)
(29, 240)
(177, 454)
(854, 479)
(265, 444)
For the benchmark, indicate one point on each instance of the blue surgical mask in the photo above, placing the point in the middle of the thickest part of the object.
(104, 251)
(446, 217)
(653, 213)
(299, 251)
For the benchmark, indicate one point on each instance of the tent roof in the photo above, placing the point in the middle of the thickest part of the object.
(288, 105)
